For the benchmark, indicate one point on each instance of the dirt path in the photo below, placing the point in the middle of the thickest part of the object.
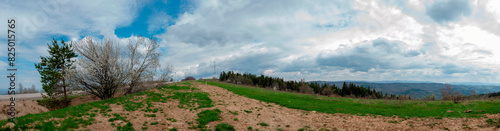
(293, 119)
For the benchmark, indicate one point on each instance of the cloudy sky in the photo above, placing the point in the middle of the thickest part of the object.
(417, 40)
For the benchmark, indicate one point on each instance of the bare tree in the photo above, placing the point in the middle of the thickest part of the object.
(304, 88)
(144, 64)
(33, 90)
(165, 75)
(100, 69)
(21, 89)
(472, 92)
(448, 93)
(25, 90)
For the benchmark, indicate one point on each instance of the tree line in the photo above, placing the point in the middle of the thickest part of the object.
(23, 90)
(102, 69)
(276, 83)
(347, 90)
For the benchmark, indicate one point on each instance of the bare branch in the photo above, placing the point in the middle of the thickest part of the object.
(100, 70)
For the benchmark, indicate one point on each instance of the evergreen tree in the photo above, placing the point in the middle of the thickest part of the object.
(221, 76)
(53, 68)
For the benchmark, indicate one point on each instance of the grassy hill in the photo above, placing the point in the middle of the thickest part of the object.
(120, 111)
(419, 90)
(408, 108)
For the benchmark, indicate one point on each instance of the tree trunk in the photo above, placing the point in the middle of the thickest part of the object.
(129, 90)
(64, 83)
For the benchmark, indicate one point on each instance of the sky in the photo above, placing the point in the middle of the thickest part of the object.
(379, 40)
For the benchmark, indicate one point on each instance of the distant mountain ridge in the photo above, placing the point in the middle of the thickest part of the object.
(420, 89)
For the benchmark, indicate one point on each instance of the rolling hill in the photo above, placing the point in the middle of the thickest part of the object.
(419, 89)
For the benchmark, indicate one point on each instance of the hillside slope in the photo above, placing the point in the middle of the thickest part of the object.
(179, 106)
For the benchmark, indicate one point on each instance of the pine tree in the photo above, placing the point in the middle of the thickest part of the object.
(53, 68)
(221, 76)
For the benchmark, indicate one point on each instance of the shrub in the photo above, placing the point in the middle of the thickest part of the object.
(54, 103)
(306, 89)
(429, 97)
(448, 93)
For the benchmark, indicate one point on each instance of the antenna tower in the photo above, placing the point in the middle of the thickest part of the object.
(215, 74)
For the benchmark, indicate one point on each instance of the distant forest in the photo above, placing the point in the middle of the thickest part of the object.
(276, 83)
(347, 89)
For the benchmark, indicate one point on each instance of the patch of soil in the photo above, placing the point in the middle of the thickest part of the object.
(26, 105)
(23, 107)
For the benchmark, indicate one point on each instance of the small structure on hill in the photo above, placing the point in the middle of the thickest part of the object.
(188, 78)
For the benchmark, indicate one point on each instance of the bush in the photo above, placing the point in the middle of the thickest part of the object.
(306, 89)
(448, 93)
(54, 103)
(224, 127)
(429, 97)
(242, 80)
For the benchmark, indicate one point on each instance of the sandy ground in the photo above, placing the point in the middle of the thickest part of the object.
(23, 107)
(26, 104)
(275, 116)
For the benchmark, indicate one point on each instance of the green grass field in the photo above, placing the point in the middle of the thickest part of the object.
(407, 108)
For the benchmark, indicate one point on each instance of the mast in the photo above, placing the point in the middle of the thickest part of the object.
(215, 74)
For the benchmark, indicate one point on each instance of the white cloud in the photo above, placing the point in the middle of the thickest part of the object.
(39, 21)
(159, 21)
(71, 18)
(287, 38)
(232, 32)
